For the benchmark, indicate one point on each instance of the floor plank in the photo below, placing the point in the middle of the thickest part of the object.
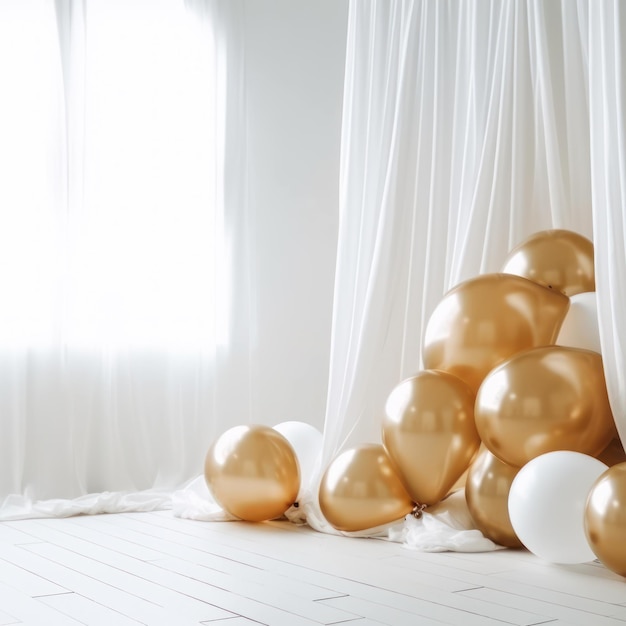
(136, 578)
(87, 611)
(24, 609)
(155, 580)
(526, 585)
(29, 582)
(155, 569)
(88, 585)
(557, 611)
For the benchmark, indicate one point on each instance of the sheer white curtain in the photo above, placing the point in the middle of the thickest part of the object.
(466, 129)
(607, 99)
(117, 255)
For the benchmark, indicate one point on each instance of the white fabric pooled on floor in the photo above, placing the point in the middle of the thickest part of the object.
(196, 502)
(446, 526)
(16, 507)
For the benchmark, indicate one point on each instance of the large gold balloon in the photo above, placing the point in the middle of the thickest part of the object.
(484, 321)
(605, 518)
(559, 259)
(543, 400)
(252, 471)
(361, 490)
(429, 433)
(487, 495)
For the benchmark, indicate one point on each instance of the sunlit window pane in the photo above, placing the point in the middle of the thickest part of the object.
(108, 224)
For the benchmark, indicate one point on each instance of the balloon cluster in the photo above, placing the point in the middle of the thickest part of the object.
(501, 394)
(512, 402)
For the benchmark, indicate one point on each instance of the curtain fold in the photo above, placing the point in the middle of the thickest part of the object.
(607, 102)
(466, 129)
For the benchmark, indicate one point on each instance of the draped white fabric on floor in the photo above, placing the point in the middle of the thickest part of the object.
(466, 128)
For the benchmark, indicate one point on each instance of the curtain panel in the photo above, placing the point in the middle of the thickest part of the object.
(125, 280)
(466, 129)
(607, 103)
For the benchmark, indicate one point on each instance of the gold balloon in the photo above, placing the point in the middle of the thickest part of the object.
(613, 454)
(559, 259)
(487, 495)
(361, 490)
(543, 400)
(605, 518)
(252, 471)
(484, 321)
(429, 433)
(460, 483)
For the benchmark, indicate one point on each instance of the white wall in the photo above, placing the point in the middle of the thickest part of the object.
(295, 52)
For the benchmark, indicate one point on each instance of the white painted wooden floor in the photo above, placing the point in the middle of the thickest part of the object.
(155, 569)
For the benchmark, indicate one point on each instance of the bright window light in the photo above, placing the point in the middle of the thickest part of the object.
(107, 206)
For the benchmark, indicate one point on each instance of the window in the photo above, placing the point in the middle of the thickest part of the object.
(107, 170)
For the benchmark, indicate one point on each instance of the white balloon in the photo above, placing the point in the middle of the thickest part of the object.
(306, 441)
(580, 326)
(547, 505)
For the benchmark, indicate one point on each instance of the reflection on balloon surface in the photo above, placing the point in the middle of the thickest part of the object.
(484, 321)
(361, 490)
(252, 472)
(487, 495)
(429, 433)
(605, 518)
(558, 259)
(542, 400)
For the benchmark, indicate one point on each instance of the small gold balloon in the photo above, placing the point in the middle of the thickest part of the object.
(361, 490)
(429, 433)
(543, 400)
(605, 518)
(559, 259)
(252, 472)
(484, 321)
(487, 495)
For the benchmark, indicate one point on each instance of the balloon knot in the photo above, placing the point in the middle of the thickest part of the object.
(417, 511)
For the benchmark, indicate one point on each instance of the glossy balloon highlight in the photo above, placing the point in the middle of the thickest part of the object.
(252, 472)
(429, 433)
(558, 259)
(487, 494)
(486, 320)
(605, 518)
(360, 490)
(542, 400)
